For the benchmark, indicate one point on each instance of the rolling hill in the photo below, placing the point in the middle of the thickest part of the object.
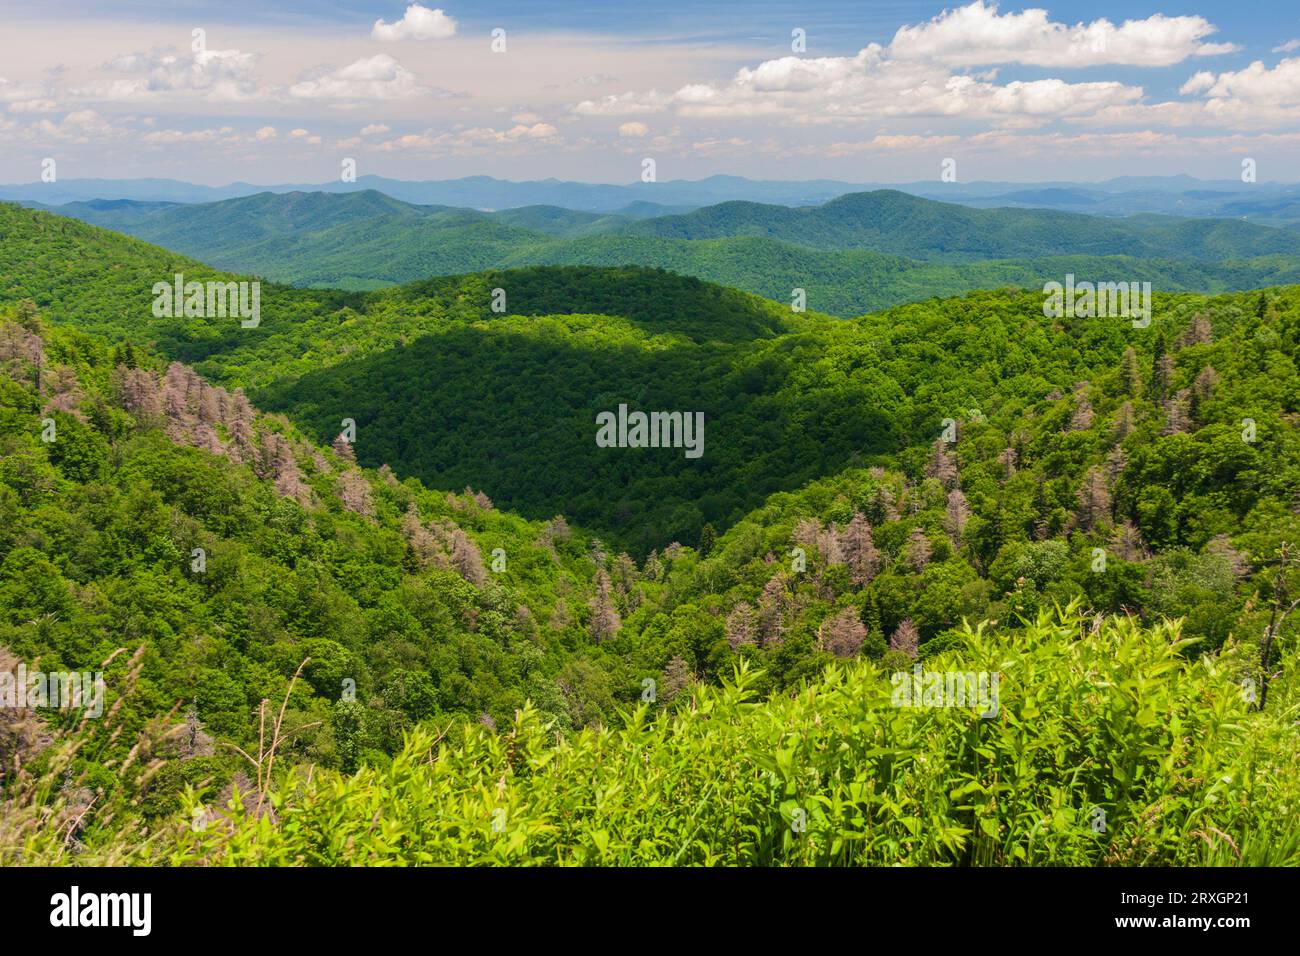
(854, 254)
(867, 487)
(1181, 195)
(900, 224)
(444, 387)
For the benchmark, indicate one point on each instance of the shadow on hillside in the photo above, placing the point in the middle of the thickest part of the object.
(509, 407)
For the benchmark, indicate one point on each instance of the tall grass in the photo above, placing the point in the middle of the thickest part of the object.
(63, 798)
(1095, 718)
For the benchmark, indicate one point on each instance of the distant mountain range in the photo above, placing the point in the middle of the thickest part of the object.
(901, 224)
(852, 254)
(475, 192)
(1123, 196)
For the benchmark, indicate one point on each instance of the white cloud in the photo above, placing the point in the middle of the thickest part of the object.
(1253, 97)
(13, 92)
(1137, 142)
(1199, 83)
(926, 84)
(1257, 97)
(871, 86)
(215, 75)
(172, 136)
(538, 131)
(924, 72)
(418, 23)
(624, 104)
(914, 76)
(1255, 84)
(77, 127)
(720, 147)
(378, 77)
(474, 140)
(977, 34)
(886, 142)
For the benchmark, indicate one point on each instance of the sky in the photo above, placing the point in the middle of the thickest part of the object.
(897, 91)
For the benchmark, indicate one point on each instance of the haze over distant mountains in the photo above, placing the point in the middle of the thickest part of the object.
(1123, 196)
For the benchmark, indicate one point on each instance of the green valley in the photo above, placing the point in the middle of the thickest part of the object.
(854, 254)
(473, 569)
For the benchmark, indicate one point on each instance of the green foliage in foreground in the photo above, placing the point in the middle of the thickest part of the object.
(1094, 718)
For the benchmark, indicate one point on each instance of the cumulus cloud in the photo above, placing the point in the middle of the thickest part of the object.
(927, 71)
(972, 75)
(976, 35)
(378, 77)
(77, 127)
(1256, 97)
(914, 76)
(215, 75)
(1256, 84)
(418, 23)
(870, 85)
(625, 104)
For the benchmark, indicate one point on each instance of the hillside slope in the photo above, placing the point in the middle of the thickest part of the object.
(855, 254)
(866, 486)
(442, 386)
(901, 224)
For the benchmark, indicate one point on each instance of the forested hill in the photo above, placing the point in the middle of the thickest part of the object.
(885, 221)
(102, 281)
(858, 253)
(866, 486)
(901, 224)
(442, 387)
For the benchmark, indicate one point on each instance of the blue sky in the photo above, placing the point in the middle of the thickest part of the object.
(287, 91)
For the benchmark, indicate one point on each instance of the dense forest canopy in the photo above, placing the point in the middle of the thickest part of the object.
(473, 568)
(854, 254)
